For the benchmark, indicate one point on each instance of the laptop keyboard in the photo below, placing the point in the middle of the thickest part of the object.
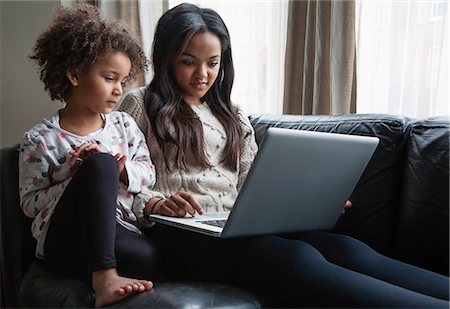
(218, 223)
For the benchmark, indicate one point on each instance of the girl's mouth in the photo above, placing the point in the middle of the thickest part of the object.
(199, 85)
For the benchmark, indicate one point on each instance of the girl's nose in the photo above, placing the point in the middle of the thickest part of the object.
(201, 71)
(118, 90)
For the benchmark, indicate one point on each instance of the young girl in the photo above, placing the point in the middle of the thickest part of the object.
(81, 167)
(203, 146)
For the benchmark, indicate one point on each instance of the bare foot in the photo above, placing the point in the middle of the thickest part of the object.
(109, 287)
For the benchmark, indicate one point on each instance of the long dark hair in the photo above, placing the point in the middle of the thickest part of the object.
(165, 106)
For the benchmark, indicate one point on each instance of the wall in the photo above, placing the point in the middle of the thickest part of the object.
(23, 100)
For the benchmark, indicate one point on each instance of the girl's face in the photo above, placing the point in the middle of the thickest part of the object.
(197, 67)
(98, 88)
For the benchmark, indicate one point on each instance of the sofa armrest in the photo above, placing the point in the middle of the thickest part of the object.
(16, 243)
(423, 229)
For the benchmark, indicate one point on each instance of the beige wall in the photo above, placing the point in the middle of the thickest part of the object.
(23, 100)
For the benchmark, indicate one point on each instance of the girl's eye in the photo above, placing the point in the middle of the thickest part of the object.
(109, 78)
(187, 62)
(213, 64)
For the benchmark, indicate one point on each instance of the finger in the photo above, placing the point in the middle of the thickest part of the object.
(179, 199)
(93, 147)
(167, 211)
(122, 159)
(348, 204)
(175, 203)
(78, 151)
(192, 201)
(76, 160)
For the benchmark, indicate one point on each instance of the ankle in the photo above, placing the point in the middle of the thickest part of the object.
(103, 274)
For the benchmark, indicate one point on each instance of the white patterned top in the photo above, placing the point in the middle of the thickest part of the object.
(45, 171)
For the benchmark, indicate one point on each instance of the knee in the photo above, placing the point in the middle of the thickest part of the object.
(341, 249)
(279, 250)
(101, 163)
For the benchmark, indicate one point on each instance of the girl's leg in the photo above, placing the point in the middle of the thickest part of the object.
(350, 253)
(81, 238)
(288, 272)
(81, 234)
(136, 255)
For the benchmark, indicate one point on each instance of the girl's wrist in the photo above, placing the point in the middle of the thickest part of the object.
(153, 204)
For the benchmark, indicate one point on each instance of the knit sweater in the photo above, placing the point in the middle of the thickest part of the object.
(215, 188)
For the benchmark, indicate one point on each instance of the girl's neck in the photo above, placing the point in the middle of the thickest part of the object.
(192, 101)
(79, 123)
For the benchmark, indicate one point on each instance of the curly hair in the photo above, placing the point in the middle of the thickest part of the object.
(74, 40)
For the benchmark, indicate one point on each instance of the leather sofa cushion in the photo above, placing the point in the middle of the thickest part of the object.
(43, 289)
(423, 228)
(375, 199)
(31, 286)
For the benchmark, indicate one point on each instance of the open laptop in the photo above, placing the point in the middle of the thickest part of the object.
(299, 181)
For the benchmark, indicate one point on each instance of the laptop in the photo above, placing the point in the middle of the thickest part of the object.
(299, 181)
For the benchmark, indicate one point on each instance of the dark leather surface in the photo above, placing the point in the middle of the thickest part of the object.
(16, 243)
(423, 228)
(41, 288)
(416, 227)
(375, 199)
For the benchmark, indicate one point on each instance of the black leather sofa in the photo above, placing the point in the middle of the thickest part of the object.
(400, 208)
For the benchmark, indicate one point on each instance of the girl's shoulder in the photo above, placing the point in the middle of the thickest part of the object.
(42, 130)
(243, 119)
(134, 96)
(120, 117)
(133, 102)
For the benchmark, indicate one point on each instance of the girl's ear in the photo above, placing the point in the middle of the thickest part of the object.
(72, 75)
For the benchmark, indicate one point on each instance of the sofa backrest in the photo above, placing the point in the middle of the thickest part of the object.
(423, 228)
(16, 242)
(373, 217)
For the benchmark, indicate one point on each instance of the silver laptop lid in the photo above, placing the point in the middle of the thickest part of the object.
(299, 181)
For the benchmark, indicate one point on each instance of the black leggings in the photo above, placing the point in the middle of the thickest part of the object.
(83, 235)
(314, 269)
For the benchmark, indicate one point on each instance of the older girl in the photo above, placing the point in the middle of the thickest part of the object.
(203, 146)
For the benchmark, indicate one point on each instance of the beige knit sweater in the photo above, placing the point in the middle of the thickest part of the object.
(215, 188)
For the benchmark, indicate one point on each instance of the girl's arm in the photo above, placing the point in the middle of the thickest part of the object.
(248, 151)
(139, 168)
(37, 190)
(133, 104)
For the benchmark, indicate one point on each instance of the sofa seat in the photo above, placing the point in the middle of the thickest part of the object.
(400, 208)
(41, 288)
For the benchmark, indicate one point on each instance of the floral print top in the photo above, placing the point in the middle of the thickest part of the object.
(45, 169)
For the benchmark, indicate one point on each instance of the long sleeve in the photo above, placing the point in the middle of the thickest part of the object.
(248, 151)
(132, 104)
(44, 173)
(38, 191)
(45, 169)
(139, 167)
